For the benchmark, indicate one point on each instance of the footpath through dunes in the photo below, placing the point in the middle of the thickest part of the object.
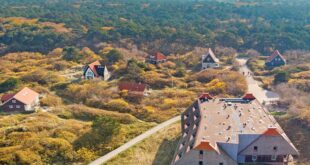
(262, 95)
(134, 141)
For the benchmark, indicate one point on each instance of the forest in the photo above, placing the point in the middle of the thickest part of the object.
(173, 26)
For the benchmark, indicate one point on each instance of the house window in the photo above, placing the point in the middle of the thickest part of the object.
(200, 163)
(255, 148)
(274, 157)
(18, 106)
(13, 101)
(201, 152)
(254, 157)
(275, 148)
(221, 163)
(10, 106)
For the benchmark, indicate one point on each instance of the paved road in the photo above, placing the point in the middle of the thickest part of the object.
(134, 141)
(261, 94)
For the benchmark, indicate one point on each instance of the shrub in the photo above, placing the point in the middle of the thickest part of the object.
(113, 56)
(51, 100)
(106, 127)
(27, 157)
(281, 77)
(85, 155)
(119, 105)
(61, 65)
(9, 84)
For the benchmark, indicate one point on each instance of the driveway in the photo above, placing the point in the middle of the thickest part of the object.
(262, 95)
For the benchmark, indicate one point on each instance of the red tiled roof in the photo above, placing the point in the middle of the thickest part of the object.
(271, 132)
(274, 55)
(159, 56)
(205, 146)
(248, 96)
(93, 65)
(6, 97)
(205, 95)
(130, 86)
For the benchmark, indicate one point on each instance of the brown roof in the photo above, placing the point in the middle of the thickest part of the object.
(205, 95)
(249, 96)
(272, 132)
(6, 97)
(93, 65)
(130, 86)
(274, 55)
(204, 145)
(158, 56)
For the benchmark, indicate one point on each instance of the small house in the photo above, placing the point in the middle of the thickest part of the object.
(157, 58)
(209, 60)
(24, 101)
(96, 70)
(275, 60)
(137, 89)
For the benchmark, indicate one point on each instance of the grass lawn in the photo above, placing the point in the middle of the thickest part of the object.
(155, 150)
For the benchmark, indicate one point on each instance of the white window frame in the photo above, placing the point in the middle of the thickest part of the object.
(18, 106)
(273, 157)
(14, 101)
(11, 106)
(254, 157)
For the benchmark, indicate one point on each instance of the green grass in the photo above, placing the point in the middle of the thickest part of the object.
(155, 150)
(278, 113)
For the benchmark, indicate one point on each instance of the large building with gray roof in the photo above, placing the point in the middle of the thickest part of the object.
(231, 131)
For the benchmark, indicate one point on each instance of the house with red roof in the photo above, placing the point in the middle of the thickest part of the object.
(275, 59)
(209, 60)
(136, 89)
(23, 101)
(157, 58)
(96, 71)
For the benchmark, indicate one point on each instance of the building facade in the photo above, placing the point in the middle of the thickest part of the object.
(209, 60)
(275, 60)
(157, 58)
(135, 89)
(96, 71)
(24, 101)
(231, 131)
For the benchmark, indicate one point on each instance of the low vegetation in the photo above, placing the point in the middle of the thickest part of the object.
(157, 149)
(287, 81)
